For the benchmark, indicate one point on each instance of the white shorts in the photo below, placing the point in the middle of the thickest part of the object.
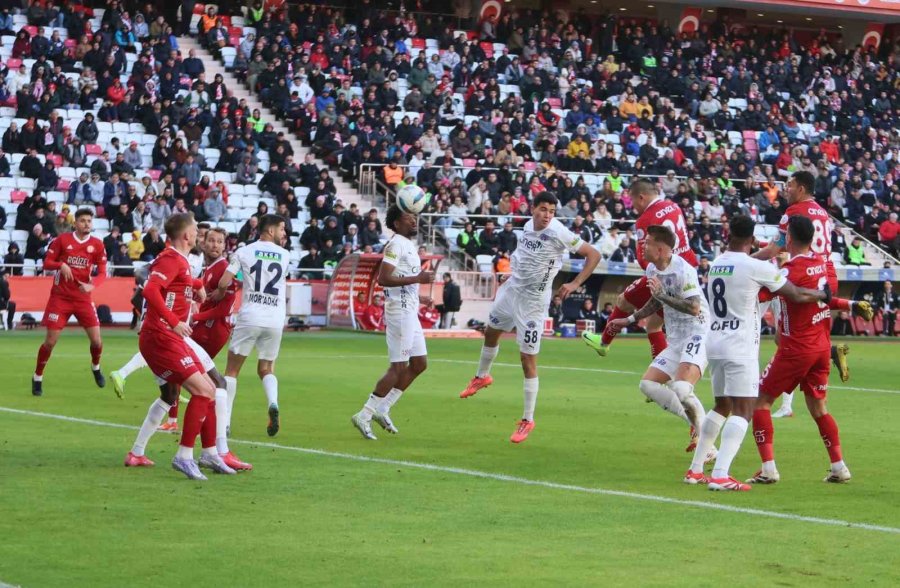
(205, 360)
(509, 312)
(737, 378)
(404, 336)
(691, 350)
(266, 340)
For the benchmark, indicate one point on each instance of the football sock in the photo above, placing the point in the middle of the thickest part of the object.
(764, 433)
(665, 397)
(689, 401)
(390, 400)
(209, 429)
(173, 412)
(530, 389)
(184, 452)
(134, 364)
(373, 403)
(732, 436)
(658, 342)
(231, 388)
(43, 357)
(487, 360)
(787, 402)
(194, 416)
(829, 430)
(709, 431)
(152, 421)
(221, 420)
(607, 337)
(96, 352)
(209, 451)
(270, 385)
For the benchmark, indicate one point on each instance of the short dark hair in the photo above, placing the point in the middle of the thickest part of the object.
(662, 234)
(269, 220)
(83, 212)
(218, 230)
(545, 198)
(203, 226)
(741, 227)
(806, 180)
(801, 229)
(392, 216)
(642, 187)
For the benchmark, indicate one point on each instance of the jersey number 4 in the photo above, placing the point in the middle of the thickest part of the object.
(274, 270)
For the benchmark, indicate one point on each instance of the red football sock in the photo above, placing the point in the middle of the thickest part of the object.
(96, 352)
(658, 342)
(43, 357)
(764, 433)
(173, 412)
(208, 430)
(829, 430)
(607, 337)
(194, 415)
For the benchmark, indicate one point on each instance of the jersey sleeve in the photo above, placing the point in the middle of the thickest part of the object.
(768, 276)
(568, 239)
(100, 261)
(392, 253)
(163, 272)
(781, 239)
(691, 287)
(235, 264)
(51, 258)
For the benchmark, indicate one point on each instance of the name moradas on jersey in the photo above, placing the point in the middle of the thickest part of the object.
(81, 257)
(403, 256)
(265, 268)
(822, 226)
(172, 273)
(735, 281)
(538, 258)
(667, 213)
(680, 280)
(804, 327)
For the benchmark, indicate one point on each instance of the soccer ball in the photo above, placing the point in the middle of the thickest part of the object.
(412, 199)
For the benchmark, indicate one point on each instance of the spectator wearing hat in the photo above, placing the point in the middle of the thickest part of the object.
(13, 257)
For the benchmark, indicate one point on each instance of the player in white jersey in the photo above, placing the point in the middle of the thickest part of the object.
(523, 300)
(674, 285)
(400, 275)
(735, 280)
(260, 319)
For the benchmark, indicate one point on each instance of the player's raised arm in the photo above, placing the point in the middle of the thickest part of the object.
(772, 249)
(591, 259)
(800, 295)
(652, 307)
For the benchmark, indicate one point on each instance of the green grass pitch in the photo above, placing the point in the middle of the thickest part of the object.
(609, 508)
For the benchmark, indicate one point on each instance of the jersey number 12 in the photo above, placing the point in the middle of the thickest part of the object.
(271, 287)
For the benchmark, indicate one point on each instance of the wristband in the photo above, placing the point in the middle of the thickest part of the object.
(631, 319)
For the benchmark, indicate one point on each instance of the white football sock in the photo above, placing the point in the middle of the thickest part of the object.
(838, 466)
(95, 367)
(155, 415)
(373, 403)
(787, 402)
(270, 385)
(221, 420)
(134, 364)
(768, 467)
(487, 360)
(665, 397)
(185, 452)
(732, 436)
(709, 431)
(390, 400)
(37, 378)
(209, 451)
(231, 388)
(530, 389)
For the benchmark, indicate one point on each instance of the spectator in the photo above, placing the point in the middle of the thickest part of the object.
(13, 257)
(624, 252)
(37, 243)
(373, 318)
(604, 317)
(888, 304)
(452, 302)
(507, 239)
(135, 246)
(889, 234)
(841, 326)
(153, 244)
(311, 262)
(122, 262)
(489, 239)
(856, 254)
(112, 241)
(250, 231)
(6, 302)
(588, 312)
(555, 311)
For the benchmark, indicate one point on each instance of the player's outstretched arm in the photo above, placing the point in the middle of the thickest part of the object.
(769, 251)
(591, 259)
(225, 281)
(803, 295)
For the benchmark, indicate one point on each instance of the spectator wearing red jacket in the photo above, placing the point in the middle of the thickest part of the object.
(116, 92)
(428, 315)
(888, 233)
(373, 317)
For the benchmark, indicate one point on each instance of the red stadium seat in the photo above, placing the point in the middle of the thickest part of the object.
(18, 196)
(863, 327)
(30, 29)
(554, 102)
(56, 159)
(418, 43)
(488, 49)
(226, 20)
(200, 9)
(93, 149)
(469, 162)
(154, 174)
(63, 185)
(13, 63)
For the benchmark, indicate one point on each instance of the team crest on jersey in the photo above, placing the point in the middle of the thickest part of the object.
(531, 324)
(90, 248)
(639, 234)
(784, 219)
(545, 237)
(696, 338)
(494, 320)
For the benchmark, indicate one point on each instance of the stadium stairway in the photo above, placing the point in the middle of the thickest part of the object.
(345, 191)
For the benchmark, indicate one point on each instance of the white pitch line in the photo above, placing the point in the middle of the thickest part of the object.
(507, 478)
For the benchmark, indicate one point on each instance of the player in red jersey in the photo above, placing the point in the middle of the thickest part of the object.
(801, 202)
(212, 326)
(169, 293)
(803, 355)
(73, 256)
(653, 210)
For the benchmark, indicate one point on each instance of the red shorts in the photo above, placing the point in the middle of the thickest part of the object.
(169, 357)
(786, 371)
(211, 339)
(638, 294)
(58, 311)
